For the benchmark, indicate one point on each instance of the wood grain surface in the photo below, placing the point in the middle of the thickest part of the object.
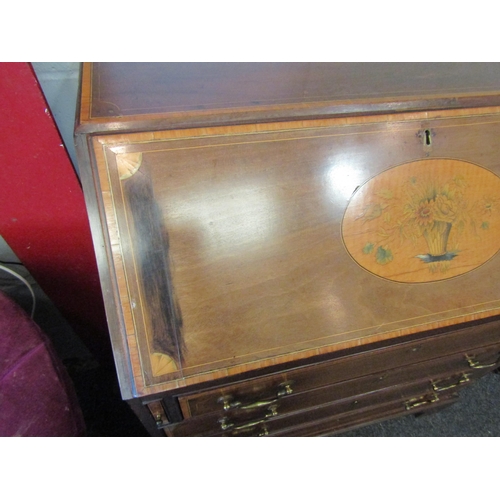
(157, 96)
(250, 224)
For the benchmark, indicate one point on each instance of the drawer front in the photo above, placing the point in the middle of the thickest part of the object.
(399, 400)
(158, 413)
(300, 380)
(343, 423)
(439, 376)
(338, 417)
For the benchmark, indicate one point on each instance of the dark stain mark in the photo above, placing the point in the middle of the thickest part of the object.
(151, 243)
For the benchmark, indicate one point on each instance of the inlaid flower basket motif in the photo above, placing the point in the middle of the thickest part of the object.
(425, 220)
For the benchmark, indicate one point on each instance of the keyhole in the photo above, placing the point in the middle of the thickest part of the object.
(428, 138)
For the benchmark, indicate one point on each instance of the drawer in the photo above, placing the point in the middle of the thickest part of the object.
(350, 421)
(158, 413)
(400, 400)
(327, 373)
(338, 417)
(441, 376)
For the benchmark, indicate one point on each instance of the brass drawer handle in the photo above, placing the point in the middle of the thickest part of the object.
(229, 404)
(263, 432)
(478, 365)
(257, 431)
(421, 401)
(463, 379)
(226, 424)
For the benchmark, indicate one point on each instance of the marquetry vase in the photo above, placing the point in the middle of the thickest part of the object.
(437, 237)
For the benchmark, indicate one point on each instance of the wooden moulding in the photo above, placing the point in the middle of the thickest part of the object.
(227, 302)
(115, 98)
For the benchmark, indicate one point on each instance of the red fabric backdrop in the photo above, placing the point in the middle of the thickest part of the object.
(42, 211)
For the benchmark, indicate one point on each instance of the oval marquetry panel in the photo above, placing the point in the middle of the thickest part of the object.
(424, 221)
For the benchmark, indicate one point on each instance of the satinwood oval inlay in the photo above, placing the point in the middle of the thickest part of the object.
(424, 221)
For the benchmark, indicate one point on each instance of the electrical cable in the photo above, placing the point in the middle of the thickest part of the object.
(19, 277)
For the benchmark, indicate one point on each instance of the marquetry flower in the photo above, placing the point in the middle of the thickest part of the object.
(488, 206)
(424, 213)
(444, 209)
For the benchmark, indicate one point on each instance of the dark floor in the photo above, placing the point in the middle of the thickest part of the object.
(476, 413)
(106, 415)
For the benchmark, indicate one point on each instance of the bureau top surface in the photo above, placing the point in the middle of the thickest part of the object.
(138, 96)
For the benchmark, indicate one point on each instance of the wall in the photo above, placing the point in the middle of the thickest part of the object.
(59, 82)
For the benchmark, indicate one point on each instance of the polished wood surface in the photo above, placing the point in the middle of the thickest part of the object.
(296, 248)
(147, 96)
(234, 247)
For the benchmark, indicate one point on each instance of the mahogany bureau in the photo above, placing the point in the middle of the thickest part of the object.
(294, 249)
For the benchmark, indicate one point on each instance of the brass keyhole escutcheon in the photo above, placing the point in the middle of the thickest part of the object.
(427, 137)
